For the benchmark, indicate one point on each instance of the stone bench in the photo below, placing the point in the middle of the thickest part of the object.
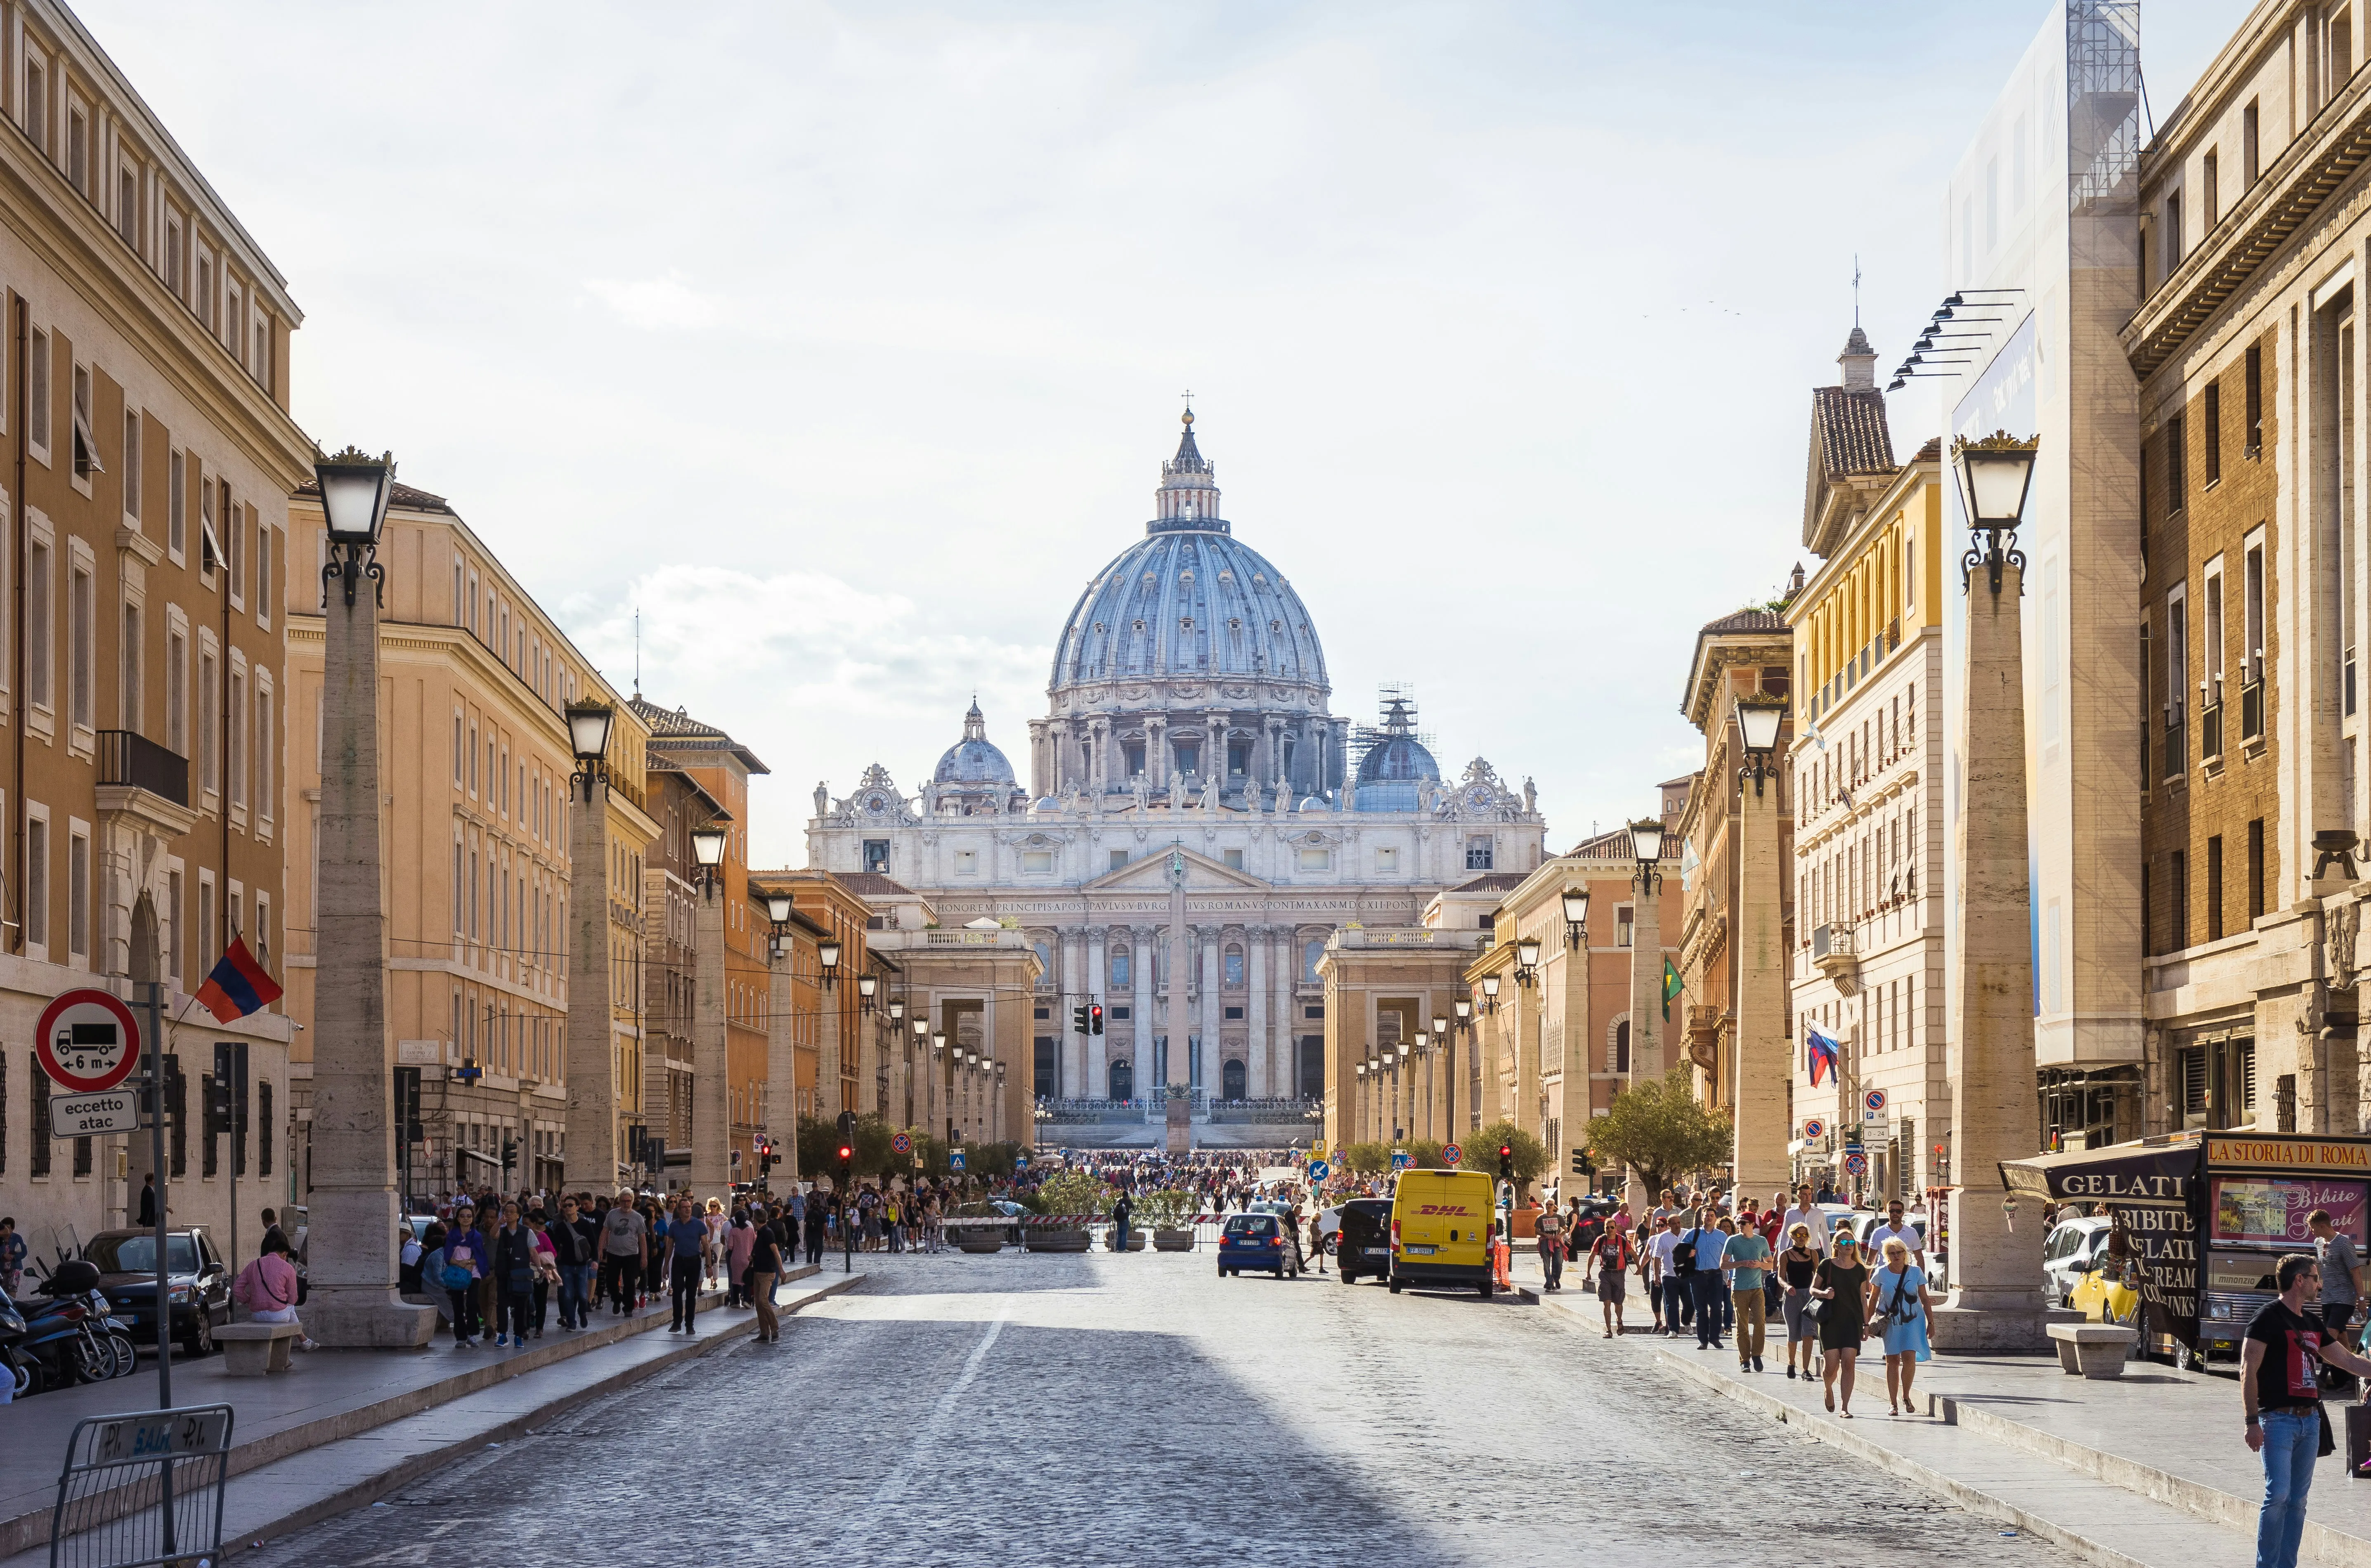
(2093, 1350)
(253, 1350)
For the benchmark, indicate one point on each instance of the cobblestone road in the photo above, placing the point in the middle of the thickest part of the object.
(1016, 1410)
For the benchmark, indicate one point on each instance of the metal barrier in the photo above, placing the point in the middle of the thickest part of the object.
(144, 1488)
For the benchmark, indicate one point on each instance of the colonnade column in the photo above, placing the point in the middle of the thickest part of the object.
(1098, 980)
(1287, 1023)
(1156, 752)
(1139, 975)
(1207, 1061)
(1067, 962)
(1256, 1041)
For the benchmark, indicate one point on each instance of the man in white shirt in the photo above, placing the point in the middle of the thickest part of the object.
(1669, 1286)
(1806, 1213)
(1896, 1228)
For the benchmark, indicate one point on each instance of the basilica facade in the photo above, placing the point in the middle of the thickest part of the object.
(1189, 738)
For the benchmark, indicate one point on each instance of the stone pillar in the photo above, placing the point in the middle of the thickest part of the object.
(1257, 1052)
(782, 1118)
(711, 1104)
(1646, 1027)
(828, 1046)
(1070, 991)
(352, 1299)
(1140, 1002)
(1156, 752)
(1180, 974)
(1765, 1055)
(1212, 937)
(1579, 1059)
(1090, 1049)
(1996, 1298)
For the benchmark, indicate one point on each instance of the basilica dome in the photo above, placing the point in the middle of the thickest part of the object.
(974, 759)
(1188, 601)
(1395, 765)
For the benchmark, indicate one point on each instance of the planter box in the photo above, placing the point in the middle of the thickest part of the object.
(1045, 1239)
(1173, 1240)
(1135, 1240)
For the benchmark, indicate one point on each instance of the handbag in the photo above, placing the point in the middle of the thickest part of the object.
(457, 1276)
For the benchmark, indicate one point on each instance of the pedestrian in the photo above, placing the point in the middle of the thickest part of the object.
(687, 1239)
(1841, 1288)
(1902, 1304)
(1806, 1212)
(148, 1201)
(1795, 1266)
(1698, 1260)
(740, 1246)
(765, 1265)
(815, 1219)
(465, 1264)
(267, 1288)
(1123, 1217)
(1746, 1260)
(658, 1216)
(2280, 1391)
(514, 1271)
(625, 1242)
(716, 1222)
(1668, 1295)
(1894, 1227)
(2342, 1286)
(572, 1257)
(1549, 1234)
(1611, 1252)
(12, 1257)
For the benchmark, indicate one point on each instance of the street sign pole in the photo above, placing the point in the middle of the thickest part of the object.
(152, 1003)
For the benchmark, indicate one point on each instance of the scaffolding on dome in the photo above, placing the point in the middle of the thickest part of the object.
(1395, 704)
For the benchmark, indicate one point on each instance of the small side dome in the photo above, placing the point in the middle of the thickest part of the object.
(974, 759)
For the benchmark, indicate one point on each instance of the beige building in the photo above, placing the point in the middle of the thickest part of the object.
(1866, 777)
(977, 985)
(474, 676)
(142, 678)
(2256, 248)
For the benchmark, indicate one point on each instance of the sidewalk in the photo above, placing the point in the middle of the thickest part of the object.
(2147, 1469)
(355, 1416)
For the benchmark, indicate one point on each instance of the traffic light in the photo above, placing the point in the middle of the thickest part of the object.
(1096, 1017)
(1581, 1164)
(1506, 1163)
(510, 1156)
(1079, 1019)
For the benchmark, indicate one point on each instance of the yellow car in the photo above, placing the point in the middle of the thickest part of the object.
(2105, 1291)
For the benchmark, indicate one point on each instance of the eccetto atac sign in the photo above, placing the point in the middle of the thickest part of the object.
(2289, 1154)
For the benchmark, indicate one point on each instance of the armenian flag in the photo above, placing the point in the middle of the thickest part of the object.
(238, 984)
(1819, 1051)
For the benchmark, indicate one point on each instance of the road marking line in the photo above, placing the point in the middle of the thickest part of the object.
(893, 1486)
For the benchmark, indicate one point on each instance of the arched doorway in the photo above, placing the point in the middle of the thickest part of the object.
(1622, 1047)
(1232, 1080)
(1123, 1080)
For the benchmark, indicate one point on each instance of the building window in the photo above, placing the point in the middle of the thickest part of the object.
(1387, 861)
(2178, 905)
(177, 506)
(966, 862)
(1624, 927)
(2255, 870)
(2214, 888)
(2252, 400)
(132, 668)
(2172, 251)
(80, 640)
(1310, 952)
(86, 445)
(1234, 859)
(40, 630)
(132, 464)
(36, 882)
(1317, 859)
(1118, 968)
(1189, 756)
(264, 748)
(876, 854)
(2214, 435)
(37, 375)
(2177, 464)
(77, 895)
(2209, 183)
(1234, 968)
(1034, 861)
(1478, 853)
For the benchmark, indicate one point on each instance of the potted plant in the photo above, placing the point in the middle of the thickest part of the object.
(1072, 1192)
(1169, 1215)
(978, 1227)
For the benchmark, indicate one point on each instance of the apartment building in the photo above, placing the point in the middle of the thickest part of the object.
(2255, 250)
(476, 760)
(148, 448)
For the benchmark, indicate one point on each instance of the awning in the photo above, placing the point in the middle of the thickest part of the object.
(481, 1156)
(2150, 1189)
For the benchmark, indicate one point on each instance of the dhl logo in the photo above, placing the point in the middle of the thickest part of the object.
(1444, 1208)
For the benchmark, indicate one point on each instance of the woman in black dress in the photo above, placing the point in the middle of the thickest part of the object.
(1841, 1286)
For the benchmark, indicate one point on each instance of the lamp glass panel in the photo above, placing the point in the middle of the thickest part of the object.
(1993, 483)
(778, 908)
(1646, 840)
(707, 845)
(350, 499)
(1527, 954)
(588, 730)
(828, 951)
(1489, 985)
(1576, 907)
(1759, 722)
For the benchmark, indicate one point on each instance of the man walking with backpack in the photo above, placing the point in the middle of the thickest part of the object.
(1697, 1261)
(625, 1251)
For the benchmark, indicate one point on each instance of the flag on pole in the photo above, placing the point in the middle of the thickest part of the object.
(1671, 989)
(1819, 1052)
(238, 984)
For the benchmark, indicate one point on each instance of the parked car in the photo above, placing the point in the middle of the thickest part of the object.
(197, 1284)
(1594, 1211)
(2071, 1245)
(1364, 1251)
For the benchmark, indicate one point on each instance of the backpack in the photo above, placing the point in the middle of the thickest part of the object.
(1684, 1256)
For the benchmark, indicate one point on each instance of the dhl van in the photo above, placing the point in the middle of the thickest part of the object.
(1442, 1229)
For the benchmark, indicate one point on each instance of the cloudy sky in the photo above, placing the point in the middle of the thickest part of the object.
(845, 342)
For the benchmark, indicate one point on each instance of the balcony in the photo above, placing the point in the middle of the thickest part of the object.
(142, 781)
(1836, 954)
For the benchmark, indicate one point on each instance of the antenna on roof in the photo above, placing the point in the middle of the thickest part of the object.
(1855, 288)
(638, 653)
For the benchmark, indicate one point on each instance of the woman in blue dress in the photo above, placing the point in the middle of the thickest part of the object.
(1898, 1303)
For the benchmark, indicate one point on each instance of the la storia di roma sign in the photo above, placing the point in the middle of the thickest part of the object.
(2289, 1154)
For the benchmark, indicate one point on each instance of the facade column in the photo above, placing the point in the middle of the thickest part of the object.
(711, 1103)
(1257, 1054)
(1156, 752)
(352, 1299)
(1068, 959)
(1099, 775)
(1765, 1068)
(1207, 1079)
(1098, 980)
(1180, 974)
(1996, 1298)
(1139, 977)
(1289, 1024)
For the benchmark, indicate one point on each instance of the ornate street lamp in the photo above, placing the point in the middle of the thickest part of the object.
(828, 954)
(1647, 847)
(1464, 1007)
(1576, 916)
(356, 488)
(866, 984)
(778, 913)
(588, 738)
(1489, 993)
(898, 1011)
(1995, 474)
(1527, 961)
(1758, 718)
(708, 853)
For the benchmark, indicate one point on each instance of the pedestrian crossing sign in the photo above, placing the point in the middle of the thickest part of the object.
(955, 1159)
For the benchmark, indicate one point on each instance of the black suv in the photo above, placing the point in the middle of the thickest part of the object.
(1365, 1248)
(197, 1284)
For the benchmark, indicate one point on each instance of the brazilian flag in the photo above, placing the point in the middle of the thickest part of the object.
(1671, 989)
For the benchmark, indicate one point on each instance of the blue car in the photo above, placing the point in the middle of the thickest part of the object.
(1258, 1242)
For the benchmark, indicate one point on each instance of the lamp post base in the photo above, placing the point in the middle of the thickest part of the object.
(366, 1317)
(1970, 1322)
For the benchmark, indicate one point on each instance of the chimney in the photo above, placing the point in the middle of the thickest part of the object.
(1858, 362)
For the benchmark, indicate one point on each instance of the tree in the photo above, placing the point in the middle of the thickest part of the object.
(1660, 1131)
(1481, 1152)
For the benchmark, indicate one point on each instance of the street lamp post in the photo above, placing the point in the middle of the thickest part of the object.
(1464, 1008)
(781, 1120)
(1764, 1070)
(1995, 1297)
(1647, 950)
(352, 1299)
(589, 1151)
(711, 1104)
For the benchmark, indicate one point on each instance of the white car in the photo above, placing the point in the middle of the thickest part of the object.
(2071, 1244)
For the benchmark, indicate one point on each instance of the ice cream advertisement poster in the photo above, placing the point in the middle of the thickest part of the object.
(2272, 1210)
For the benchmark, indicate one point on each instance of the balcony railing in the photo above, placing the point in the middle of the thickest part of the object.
(129, 758)
(2251, 711)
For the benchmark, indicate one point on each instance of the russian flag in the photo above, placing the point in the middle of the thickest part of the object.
(1819, 1052)
(238, 984)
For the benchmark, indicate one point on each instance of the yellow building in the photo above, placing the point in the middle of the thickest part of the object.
(474, 677)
